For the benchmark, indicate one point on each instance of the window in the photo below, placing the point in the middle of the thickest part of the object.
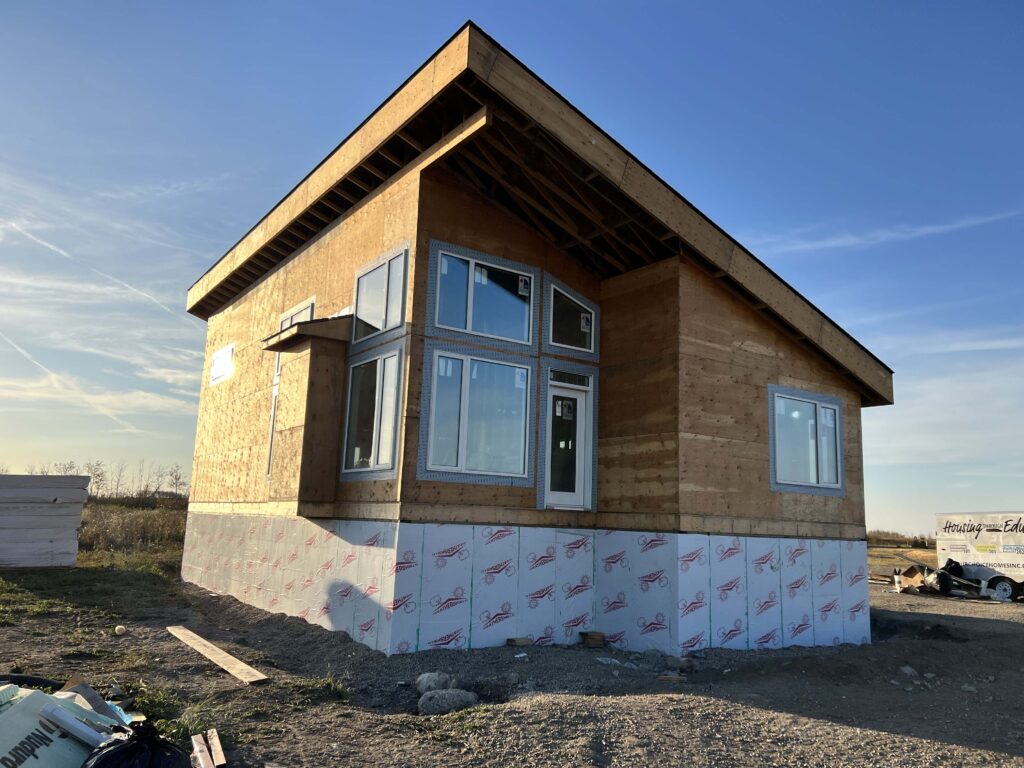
(297, 314)
(222, 364)
(572, 324)
(806, 440)
(380, 298)
(478, 416)
(372, 413)
(479, 298)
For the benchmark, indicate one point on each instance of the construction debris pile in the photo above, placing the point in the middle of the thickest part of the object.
(956, 580)
(76, 727)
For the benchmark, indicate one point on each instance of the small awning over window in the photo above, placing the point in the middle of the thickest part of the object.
(336, 328)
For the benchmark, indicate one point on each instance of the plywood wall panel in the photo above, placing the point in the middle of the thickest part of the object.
(638, 409)
(234, 415)
(637, 474)
(728, 355)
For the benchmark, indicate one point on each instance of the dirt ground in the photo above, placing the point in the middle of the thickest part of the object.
(333, 702)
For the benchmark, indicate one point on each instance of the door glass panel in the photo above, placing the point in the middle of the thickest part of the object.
(564, 443)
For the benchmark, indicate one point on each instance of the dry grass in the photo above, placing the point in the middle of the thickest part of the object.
(883, 559)
(115, 528)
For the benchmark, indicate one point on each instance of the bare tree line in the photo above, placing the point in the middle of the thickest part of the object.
(117, 479)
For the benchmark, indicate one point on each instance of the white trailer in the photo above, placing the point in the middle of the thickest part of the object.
(989, 546)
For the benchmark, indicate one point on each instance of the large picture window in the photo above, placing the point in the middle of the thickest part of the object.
(478, 416)
(477, 297)
(806, 434)
(371, 421)
(380, 298)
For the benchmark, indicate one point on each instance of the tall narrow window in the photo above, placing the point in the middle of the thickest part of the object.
(479, 416)
(295, 315)
(371, 420)
(477, 297)
(806, 440)
(380, 298)
(572, 324)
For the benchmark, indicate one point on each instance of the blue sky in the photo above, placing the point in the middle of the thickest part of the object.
(869, 152)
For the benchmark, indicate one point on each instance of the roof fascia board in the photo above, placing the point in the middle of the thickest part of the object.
(435, 75)
(515, 82)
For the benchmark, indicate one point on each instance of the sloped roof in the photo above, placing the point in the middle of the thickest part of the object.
(478, 111)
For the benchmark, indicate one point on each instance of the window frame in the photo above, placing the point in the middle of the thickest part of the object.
(819, 401)
(460, 468)
(551, 321)
(473, 262)
(396, 352)
(385, 263)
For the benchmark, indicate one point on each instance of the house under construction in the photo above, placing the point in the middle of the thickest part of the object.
(482, 374)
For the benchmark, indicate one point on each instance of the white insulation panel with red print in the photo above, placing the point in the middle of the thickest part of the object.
(403, 587)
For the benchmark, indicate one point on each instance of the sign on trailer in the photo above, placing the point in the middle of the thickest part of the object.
(994, 539)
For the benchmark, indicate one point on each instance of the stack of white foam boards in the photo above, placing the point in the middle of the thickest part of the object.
(39, 519)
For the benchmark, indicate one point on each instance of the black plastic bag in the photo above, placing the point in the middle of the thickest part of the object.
(144, 748)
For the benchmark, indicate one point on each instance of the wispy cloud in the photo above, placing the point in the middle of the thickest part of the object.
(173, 376)
(966, 418)
(161, 189)
(947, 341)
(54, 389)
(53, 386)
(20, 229)
(922, 310)
(803, 240)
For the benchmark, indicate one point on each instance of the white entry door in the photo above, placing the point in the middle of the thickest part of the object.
(569, 449)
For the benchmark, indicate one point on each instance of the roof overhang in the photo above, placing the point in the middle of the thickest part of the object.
(479, 112)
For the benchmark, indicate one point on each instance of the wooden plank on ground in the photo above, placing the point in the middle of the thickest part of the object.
(216, 750)
(221, 658)
(201, 753)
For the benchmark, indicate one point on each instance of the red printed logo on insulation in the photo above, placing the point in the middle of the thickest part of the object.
(544, 593)
(686, 607)
(536, 561)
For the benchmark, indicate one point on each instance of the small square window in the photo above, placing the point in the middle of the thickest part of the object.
(806, 448)
(572, 324)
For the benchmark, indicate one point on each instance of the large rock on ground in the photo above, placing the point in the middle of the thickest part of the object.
(433, 681)
(444, 701)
